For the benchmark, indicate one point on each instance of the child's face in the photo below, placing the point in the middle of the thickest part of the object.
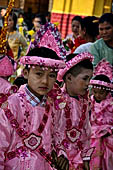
(78, 85)
(40, 81)
(99, 94)
(75, 27)
(37, 23)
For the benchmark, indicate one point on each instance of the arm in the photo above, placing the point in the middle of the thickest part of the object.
(85, 139)
(23, 44)
(5, 137)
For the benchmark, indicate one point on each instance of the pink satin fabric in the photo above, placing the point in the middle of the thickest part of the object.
(102, 122)
(74, 154)
(9, 140)
(4, 85)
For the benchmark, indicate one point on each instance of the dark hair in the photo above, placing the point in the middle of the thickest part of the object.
(21, 13)
(20, 81)
(77, 18)
(42, 18)
(0, 29)
(91, 25)
(43, 52)
(75, 70)
(108, 17)
(102, 77)
(14, 17)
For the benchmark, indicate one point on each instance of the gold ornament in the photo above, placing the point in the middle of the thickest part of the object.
(4, 28)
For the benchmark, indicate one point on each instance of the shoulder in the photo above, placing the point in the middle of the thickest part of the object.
(69, 36)
(18, 34)
(83, 48)
(16, 98)
(99, 43)
(4, 86)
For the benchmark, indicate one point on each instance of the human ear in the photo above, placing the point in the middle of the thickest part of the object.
(26, 73)
(84, 30)
(69, 77)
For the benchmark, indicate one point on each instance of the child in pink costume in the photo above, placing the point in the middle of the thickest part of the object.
(73, 123)
(27, 118)
(102, 117)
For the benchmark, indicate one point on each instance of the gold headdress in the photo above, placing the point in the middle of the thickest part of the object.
(4, 28)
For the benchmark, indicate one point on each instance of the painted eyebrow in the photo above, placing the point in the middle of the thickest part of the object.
(86, 76)
(107, 27)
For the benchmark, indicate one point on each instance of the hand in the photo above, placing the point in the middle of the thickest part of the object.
(60, 163)
(86, 165)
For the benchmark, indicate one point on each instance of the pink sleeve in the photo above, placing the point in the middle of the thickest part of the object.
(5, 135)
(85, 138)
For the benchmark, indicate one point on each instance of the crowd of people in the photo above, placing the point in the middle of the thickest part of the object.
(56, 96)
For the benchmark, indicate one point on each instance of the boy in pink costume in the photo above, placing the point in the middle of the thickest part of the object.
(73, 123)
(102, 117)
(27, 117)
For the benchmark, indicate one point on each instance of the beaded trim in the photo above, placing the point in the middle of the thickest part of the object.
(46, 62)
(31, 141)
(72, 133)
(52, 33)
(101, 85)
(77, 59)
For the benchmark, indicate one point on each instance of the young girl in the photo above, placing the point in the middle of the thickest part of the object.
(88, 31)
(26, 119)
(73, 123)
(6, 61)
(15, 39)
(102, 117)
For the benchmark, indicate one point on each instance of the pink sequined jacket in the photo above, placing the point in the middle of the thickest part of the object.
(25, 134)
(102, 117)
(74, 130)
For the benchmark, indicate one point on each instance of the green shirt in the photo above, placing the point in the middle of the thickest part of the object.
(100, 50)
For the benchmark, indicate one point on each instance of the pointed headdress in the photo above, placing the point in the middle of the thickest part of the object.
(106, 69)
(48, 36)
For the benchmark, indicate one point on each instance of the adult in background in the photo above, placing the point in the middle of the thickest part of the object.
(17, 42)
(75, 24)
(38, 20)
(22, 26)
(69, 41)
(88, 31)
(103, 48)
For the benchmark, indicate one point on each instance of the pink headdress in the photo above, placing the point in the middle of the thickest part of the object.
(77, 59)
(6, 67)
(103, 68)
(48, 36)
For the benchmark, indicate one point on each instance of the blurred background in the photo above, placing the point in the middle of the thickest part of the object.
(60, 12)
